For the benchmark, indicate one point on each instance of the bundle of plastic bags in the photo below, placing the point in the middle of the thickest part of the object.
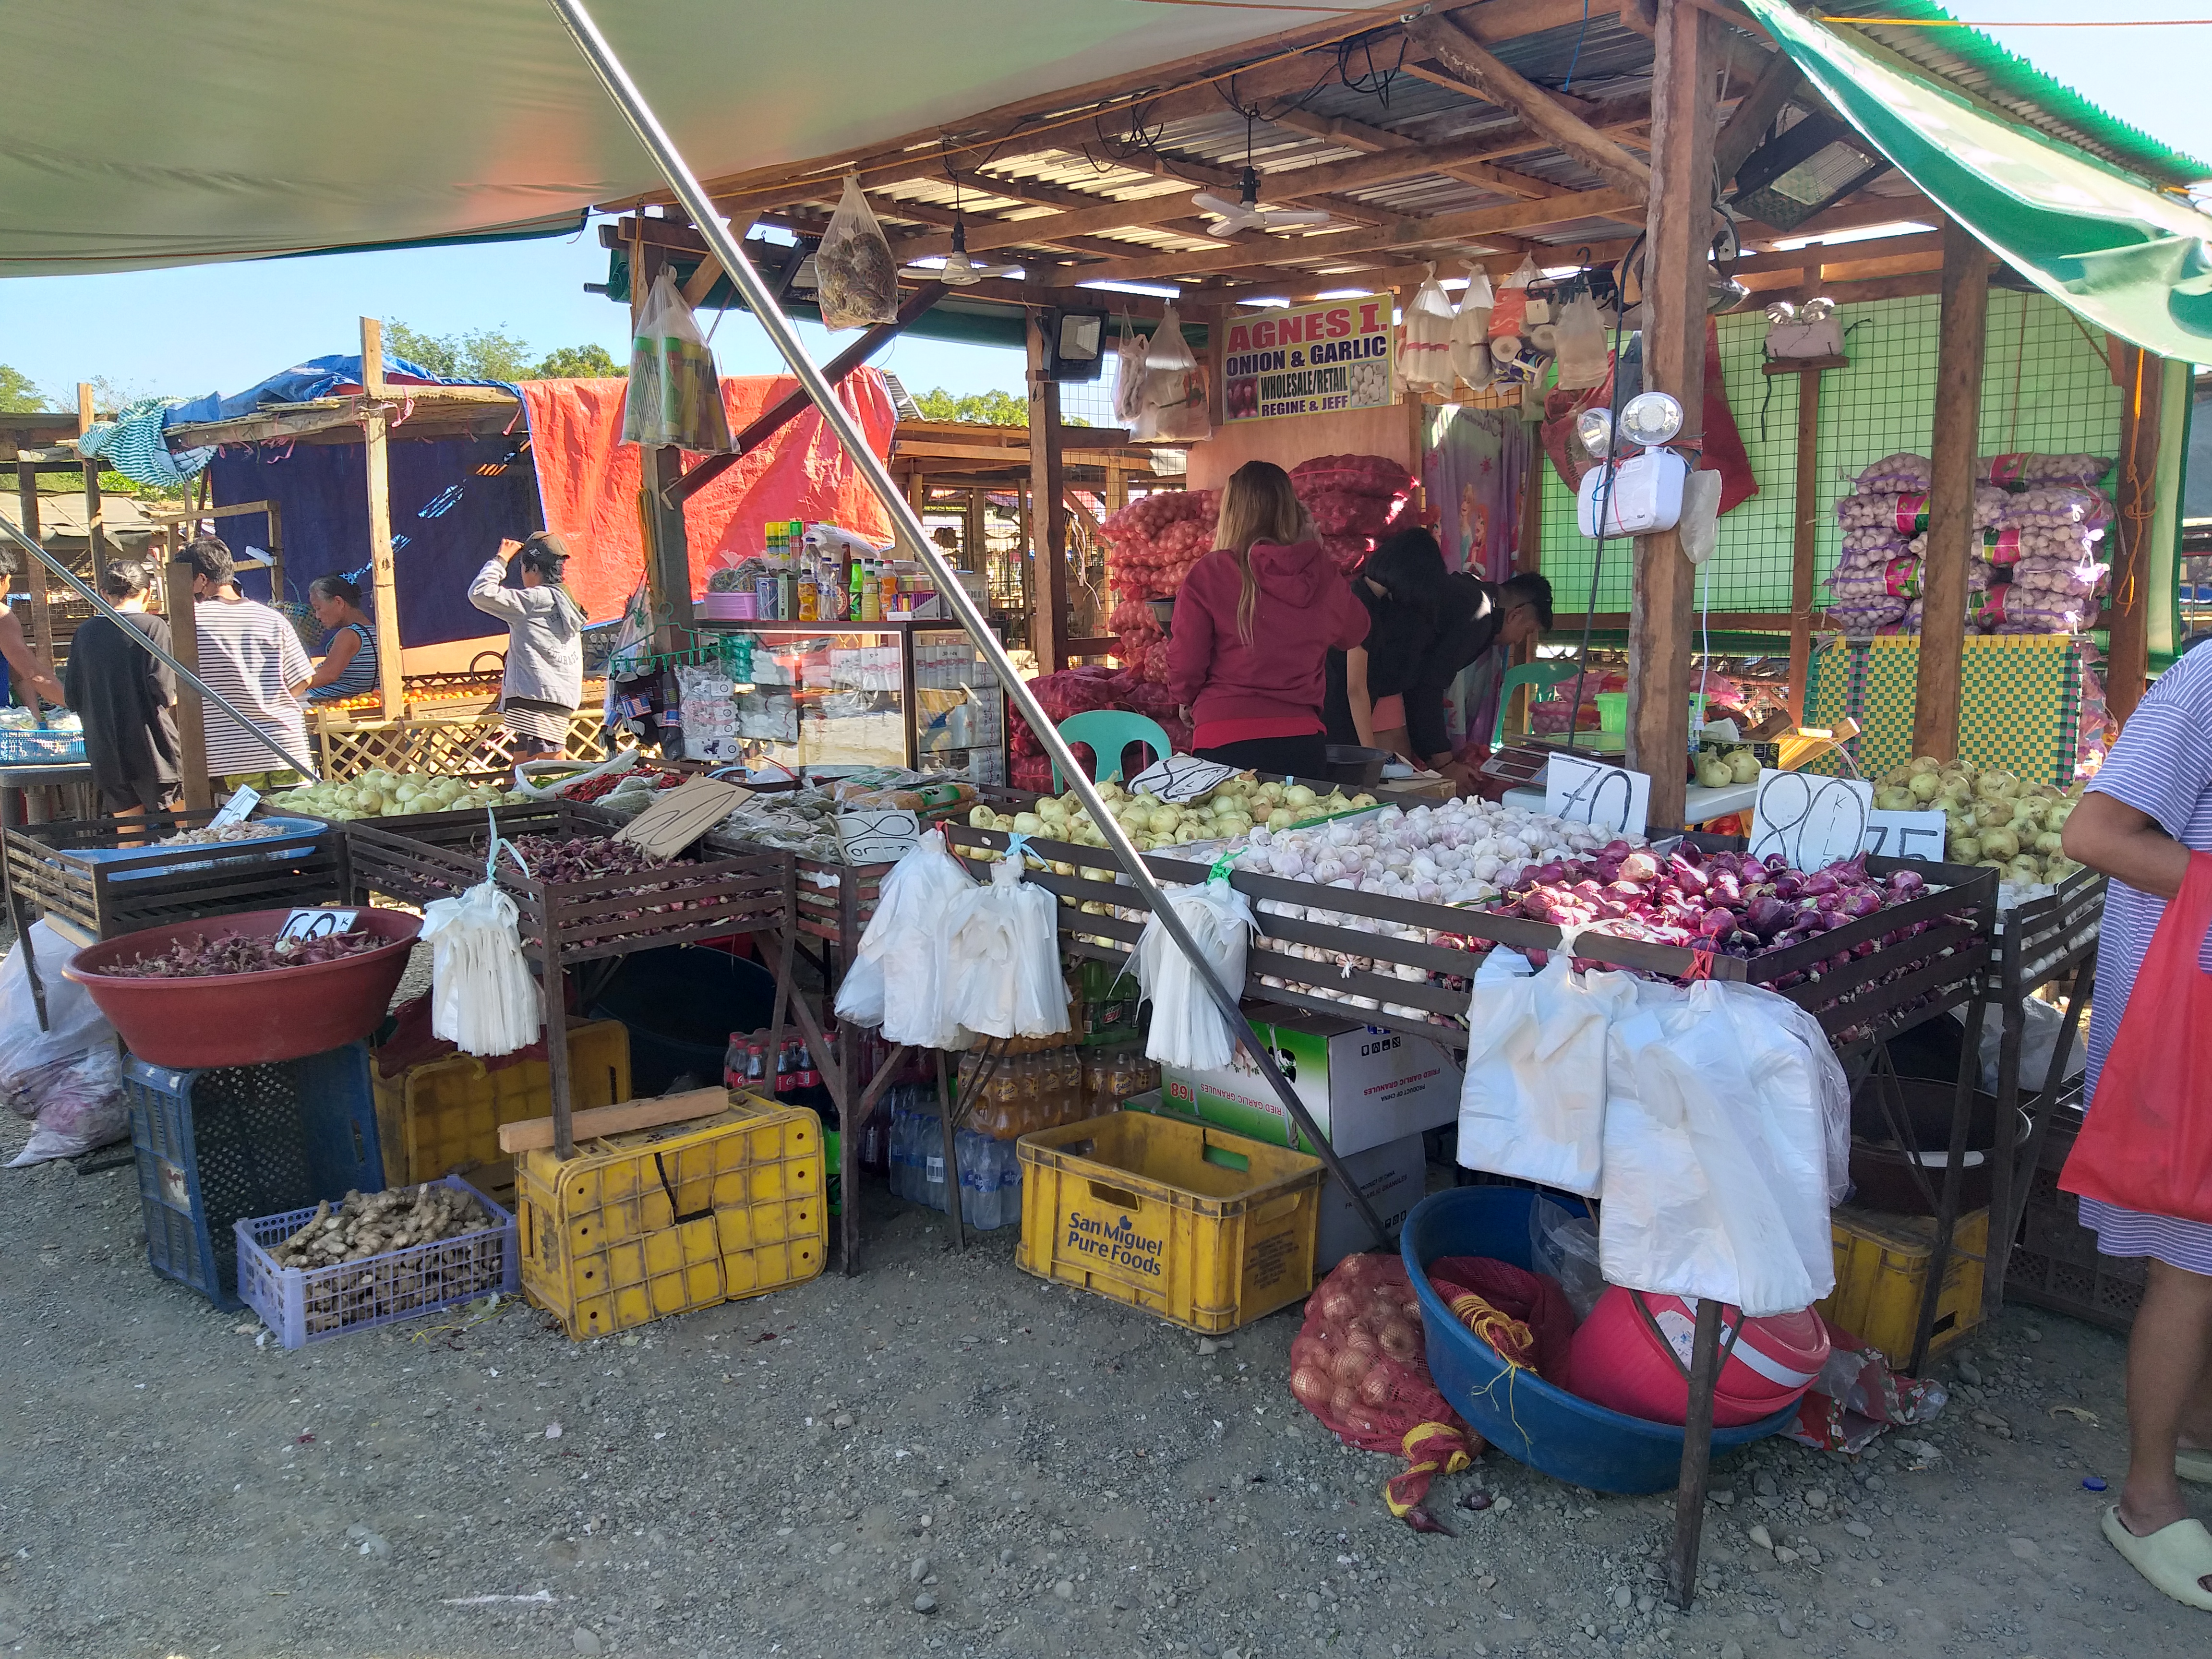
(1188, 1029)
(483, 999)
(899, 978)
(1532, 1102)
(67, 1077)
(1174, 409)
(1470, 335)
(1002, 958)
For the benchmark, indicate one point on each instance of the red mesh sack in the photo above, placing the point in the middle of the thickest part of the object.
(1359, 1364)
(1347, 553)
(1357, 475)
(1340, 513)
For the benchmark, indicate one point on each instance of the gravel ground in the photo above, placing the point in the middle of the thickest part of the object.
(946, 1454)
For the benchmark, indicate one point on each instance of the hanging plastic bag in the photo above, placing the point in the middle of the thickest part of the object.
(1720, 1155)
(1130, 352)
(68, 1077)
(1563, 1246)
(1510, 316)
(1174, 385)
(483, 999)
(855, 277)
(2147, 1144)
(1424, 346)
(675, 397)
(897, 979)
(1188, 1030)
(1578, 338)
(1002, 957)
(1532, 1102)
(1470, 335)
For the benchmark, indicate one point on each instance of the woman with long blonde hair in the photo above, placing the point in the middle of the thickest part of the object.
(1254, 624)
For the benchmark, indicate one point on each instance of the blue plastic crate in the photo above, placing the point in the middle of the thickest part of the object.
(303, 1305)
(229, 1142)
(41, 748)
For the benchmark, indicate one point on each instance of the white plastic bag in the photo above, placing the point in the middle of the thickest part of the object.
(1563, 1245)
(1188, 1030)
(483, 999)
(68, 1078)
(1532, 1102)
(1578, 338)
(1470, 334)
(1424, 347)
(675, 395)
(897, 979)
(1002, 958)
(856, 278)
(1720, 1157)
(1174, 387)
(1129, 354)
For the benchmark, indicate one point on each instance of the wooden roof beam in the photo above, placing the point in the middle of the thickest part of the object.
(1492, 79)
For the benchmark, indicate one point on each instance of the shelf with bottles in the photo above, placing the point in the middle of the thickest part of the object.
(819, 573)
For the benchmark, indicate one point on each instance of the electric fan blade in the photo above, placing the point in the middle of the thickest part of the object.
(1292, 218)
(1220, 205)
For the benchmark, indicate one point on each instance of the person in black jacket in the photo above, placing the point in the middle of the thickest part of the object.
(126, 697)
(1402, 586)
(1473, 615)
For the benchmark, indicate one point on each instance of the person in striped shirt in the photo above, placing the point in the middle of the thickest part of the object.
(252, 656)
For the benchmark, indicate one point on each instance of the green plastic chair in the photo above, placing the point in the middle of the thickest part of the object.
(1109, 732)
(1545, 674)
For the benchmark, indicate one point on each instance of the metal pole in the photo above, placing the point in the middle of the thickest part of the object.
(99, 604)
(726, 247)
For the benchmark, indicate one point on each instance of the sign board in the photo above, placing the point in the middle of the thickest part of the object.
(234, 810)
(1906, 835)
(1607, 798)
(1180, 778)
(317, 924)
(1812, 821)
(1308, 360)
(878, 834)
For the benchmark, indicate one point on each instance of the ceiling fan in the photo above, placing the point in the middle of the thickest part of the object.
(1246, 213)
(959, 268)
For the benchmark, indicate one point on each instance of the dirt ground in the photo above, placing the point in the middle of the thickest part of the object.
(942, 1454)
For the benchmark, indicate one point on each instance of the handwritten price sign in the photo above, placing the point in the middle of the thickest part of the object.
(1812, 821)
(1607, 798)
(317, 924)
(1906, 835)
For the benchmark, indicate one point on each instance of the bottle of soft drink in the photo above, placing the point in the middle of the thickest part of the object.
(733, 1061)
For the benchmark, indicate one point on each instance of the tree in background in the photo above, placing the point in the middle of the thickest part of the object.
(18, 395)
(992, 407)
(491, 353)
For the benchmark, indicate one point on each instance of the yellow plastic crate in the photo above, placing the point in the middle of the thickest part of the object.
(444, 1115)
(1881, 1264)
(1208, 1229)
(637, 1226)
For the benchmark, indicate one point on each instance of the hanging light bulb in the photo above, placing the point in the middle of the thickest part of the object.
(1650, 418)
(1782, 311)
(1594, 427)
(1817, 311)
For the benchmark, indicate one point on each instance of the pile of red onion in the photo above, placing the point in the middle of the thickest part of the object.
(1345, 1366)
(197, 956)
(1732, 903)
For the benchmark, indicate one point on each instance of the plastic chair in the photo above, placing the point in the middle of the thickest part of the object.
(1109, 732)
(1544, 674)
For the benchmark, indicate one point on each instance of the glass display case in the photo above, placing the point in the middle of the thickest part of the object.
(912, 694)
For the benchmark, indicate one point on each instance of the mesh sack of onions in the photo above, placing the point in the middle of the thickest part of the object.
(1895, 514)
(1341, 513)
(1347, 553)
(2061, 579)
(1896, 475)
(1354, 475)
(1359, 1363)
(2033, 468)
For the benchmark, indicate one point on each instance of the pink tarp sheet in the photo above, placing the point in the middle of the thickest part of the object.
(588, 479)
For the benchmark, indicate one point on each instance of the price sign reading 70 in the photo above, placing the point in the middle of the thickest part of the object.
(1607, 798)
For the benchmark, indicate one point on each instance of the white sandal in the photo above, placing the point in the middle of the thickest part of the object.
(2176, 1558)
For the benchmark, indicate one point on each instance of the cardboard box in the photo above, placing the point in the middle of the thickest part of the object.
(1364, 1086)
(1394, 1177)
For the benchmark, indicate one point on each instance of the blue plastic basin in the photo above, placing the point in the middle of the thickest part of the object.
(1519, 1413)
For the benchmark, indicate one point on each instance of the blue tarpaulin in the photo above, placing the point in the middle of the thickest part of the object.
(319, 377)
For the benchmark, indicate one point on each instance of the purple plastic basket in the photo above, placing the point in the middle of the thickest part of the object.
(312, 1304)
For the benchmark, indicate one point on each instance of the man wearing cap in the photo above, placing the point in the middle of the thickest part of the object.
(522, 585)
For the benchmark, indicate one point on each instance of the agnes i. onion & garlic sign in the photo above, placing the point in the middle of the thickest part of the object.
(1308, 359)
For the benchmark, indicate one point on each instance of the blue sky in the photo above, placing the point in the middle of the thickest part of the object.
(221, 328)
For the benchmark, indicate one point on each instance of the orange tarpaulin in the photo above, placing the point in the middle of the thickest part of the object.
(588, 477)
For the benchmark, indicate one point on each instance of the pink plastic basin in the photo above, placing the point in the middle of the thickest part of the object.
(1619, 1364)
(245, 1019)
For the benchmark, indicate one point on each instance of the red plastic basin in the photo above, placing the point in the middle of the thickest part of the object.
(245, 1019)
(1622, 1365)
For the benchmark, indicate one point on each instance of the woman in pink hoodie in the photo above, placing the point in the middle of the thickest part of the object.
(1254, 624)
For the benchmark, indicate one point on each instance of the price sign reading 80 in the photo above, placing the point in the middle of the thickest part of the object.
(1811, 821)
(1607, 798)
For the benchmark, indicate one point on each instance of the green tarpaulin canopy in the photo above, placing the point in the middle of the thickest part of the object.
(2130, 258)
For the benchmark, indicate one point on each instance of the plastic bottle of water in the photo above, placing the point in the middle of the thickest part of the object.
(930, 1148)
(979, 1174)
(1009, 1185)
(906, 1155)
(899, 1151)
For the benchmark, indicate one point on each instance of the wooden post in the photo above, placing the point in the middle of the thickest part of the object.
(191, 717)
(1806, 537)
(1951, 492)
(2134, 489)
(1679, 232)
(1048, 514)
(1216, 359)
(95, 529)
(275, 551)
(979, 533)
(1697, 1457)
(390, 681)
(35, 574)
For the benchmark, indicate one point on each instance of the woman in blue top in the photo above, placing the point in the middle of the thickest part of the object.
(348, 666)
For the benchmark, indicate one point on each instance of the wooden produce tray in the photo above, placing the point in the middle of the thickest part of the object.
(2047, 939)
(92, 898)
(1887, 991)
(728, 890)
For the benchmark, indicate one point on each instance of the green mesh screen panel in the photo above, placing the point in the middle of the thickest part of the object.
(2045, 386)
(2020, 700)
